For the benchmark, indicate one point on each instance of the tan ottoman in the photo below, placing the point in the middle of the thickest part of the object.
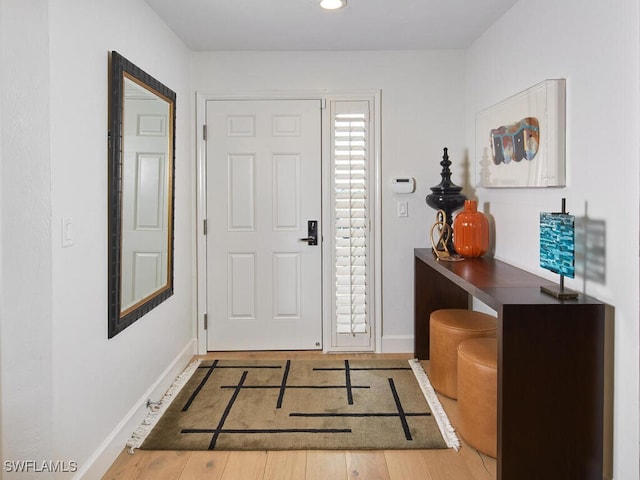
(478, 393)
(449, 327)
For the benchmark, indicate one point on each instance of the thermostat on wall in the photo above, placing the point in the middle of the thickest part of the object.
(403, 184)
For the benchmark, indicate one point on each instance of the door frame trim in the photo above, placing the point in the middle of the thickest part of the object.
(202, 97)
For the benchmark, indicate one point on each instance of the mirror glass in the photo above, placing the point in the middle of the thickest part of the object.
(141, 140)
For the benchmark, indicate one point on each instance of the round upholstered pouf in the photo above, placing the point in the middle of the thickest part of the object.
(449, 327)
(478, 393)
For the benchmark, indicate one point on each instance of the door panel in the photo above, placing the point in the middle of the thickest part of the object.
(241, 196)
(264, 285)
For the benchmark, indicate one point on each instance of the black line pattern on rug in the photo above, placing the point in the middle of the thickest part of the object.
(401, 414)
(210, 369)
(403, 417)
(347, 374)
(227, 410)
(283, 384)
(219, 430)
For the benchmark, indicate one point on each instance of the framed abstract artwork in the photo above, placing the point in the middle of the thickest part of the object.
(558, 249)
(557, 243)
(520, 142)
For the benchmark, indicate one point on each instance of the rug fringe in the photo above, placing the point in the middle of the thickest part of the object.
(157, 409)
(446, 429)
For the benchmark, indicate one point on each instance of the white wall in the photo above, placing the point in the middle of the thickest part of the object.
(422, 112)
(66, 387)
(26, 294)
(595, 46)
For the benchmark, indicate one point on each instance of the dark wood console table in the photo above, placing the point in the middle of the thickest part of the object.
(550, 364)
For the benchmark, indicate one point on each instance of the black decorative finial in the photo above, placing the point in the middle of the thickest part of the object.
(446, 195)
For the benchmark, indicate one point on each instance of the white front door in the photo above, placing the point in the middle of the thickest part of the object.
(264, 283)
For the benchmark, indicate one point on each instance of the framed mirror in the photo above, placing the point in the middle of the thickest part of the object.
(141, 192)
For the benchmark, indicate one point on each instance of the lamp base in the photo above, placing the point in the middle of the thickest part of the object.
(559, 292)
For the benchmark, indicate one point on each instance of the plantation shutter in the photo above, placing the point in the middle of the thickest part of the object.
(350, 159)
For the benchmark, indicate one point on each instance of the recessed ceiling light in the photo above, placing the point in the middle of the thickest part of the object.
(332, 4)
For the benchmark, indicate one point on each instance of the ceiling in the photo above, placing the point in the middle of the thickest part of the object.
(302, 25)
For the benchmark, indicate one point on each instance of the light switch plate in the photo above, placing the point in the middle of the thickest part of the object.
(67, 231)
(403, 209)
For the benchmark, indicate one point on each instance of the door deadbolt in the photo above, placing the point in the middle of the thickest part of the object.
(312, 233)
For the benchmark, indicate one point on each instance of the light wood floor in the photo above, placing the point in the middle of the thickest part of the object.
(466, 464)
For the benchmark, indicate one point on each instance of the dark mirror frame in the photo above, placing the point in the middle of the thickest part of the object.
(119, 67)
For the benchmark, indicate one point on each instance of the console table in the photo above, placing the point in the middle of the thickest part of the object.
(550, 364)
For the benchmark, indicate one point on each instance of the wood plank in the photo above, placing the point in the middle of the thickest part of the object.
(324, 465)
(448, 464)
(155, 465)
(205, 465)
(371, 465)
(407, 465)
(245, 466)
(482, 467)
(286, 465)
(127, 466)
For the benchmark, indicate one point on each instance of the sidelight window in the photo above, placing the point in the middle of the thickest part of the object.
(351, 222)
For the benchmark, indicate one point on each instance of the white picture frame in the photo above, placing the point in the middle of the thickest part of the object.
(520, 142)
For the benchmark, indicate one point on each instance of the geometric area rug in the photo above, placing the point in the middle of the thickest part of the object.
(298, 405)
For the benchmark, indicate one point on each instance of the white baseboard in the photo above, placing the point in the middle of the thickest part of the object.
(397, 344)
(104, 456)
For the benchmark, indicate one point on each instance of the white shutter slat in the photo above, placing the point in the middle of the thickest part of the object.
(351, 252)
(351, 329)
(351, 299)
(351, 222)
(346, 262)
(351, 289)
(349, 280)
(350, 242)
(354, 195)
(352, 270)
(348, 310)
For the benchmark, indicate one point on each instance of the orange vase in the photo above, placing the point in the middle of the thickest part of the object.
(471, 231)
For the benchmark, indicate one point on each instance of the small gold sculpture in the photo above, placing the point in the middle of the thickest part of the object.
(444, 234)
